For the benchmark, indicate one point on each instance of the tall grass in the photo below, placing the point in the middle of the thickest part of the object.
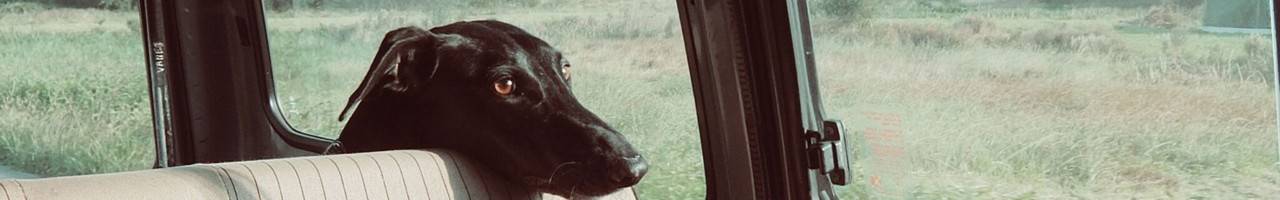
(74, 103)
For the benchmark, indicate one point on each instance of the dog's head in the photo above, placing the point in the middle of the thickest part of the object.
(495, 93)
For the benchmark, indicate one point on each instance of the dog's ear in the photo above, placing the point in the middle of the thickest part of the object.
(404, 46)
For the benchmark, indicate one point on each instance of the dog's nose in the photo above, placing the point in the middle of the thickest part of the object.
(630, 174)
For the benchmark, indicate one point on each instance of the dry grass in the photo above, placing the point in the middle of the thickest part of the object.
(1042, 127)
(1061, 109)
(975, 31)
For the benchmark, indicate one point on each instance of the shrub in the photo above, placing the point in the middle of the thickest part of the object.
(340, 33)
(498, 3)
(982, 30)
(1076, 39)
(280, 5)
(22, 7)
(1117, 3)
(1258, 60)
(1188, 4)
(967, 31)
(1097, 43)
(976, 25)
(1182, 63)
(1167, 16)
(315, 4)
(28, 5)
(72, 3)
(119, 4)
(944, 6)
(1062, 3)
(429, 6)
(926, 35)
(1258, 47)
(846, 10)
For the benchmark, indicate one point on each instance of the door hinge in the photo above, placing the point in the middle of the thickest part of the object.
(828, 153)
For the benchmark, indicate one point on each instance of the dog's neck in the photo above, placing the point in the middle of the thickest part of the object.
(379, 121)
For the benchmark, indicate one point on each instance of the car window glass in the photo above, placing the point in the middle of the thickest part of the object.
(984, 99)
(628, 66)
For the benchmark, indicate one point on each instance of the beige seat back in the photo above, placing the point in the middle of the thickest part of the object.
(402, 174)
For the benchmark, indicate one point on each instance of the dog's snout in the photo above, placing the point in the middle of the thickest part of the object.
(625, 166)
(611, 142)
(631, 172)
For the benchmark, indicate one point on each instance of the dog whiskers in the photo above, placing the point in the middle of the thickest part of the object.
(552, 178)
(573, 191)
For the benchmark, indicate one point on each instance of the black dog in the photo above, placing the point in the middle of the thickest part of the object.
(492, 92)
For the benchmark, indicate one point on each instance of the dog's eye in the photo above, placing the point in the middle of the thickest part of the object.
(565, 71)
(504, 86)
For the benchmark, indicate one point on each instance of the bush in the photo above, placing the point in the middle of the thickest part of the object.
(32, 5)
(73, 3)
(315, 4)
(928, 35)
(982, 30)
(22, 7)
(280, 5)
(119, 4)
(1167, 16)
(1064, 3)
(429, 6)
(1172, 14)
(1118, 3)
(968, 31)
(66, 3)
(499, 3)
(846, 10)
(943, 6)
(1081, 39)
(1258, 60)
(1188, 4)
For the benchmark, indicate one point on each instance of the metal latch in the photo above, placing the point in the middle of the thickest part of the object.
(827, 152)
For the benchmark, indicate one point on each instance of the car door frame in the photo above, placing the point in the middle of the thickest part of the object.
(759, 110)
(211, 88)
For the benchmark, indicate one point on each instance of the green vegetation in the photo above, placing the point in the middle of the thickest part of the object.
(1018, 99)
(73, 98)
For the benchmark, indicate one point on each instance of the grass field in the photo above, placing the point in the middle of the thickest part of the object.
(1012, 102)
